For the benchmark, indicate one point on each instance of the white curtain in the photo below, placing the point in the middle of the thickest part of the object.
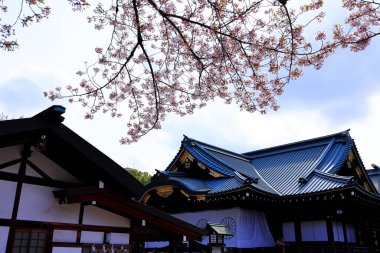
(338, 231)
(314, 231)
(288, 232)
(351, 234)
(156, 244)
(250, 227)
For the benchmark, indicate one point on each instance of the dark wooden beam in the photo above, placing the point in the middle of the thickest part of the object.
(62, 226)
(36, 180)
(131, 209)
(38, 170)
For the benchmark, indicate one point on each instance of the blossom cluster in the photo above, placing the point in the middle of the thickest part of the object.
(174, 56)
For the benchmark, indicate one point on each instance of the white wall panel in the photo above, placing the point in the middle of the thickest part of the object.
(31, 172)
(119, 238)
(64, 236)
(37, 203)
(92, 237)
(66, 250)
(7, 197)
(11, 153)
(93, 215)
(51, 168)
(12, 169)
(4, 231)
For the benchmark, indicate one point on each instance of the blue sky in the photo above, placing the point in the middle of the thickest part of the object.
(344, 94)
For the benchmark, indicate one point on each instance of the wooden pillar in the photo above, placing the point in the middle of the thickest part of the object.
(21, 175)
(297, 228)
(330, 231)
(80, 222)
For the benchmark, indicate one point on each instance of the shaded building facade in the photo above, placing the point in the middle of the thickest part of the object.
(314, 195)
(58, 193)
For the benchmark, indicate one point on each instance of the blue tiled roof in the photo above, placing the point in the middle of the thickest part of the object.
(199, 153)
(291, 169)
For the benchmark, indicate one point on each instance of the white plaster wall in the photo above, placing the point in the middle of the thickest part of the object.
(64, 235)
(31, 172)
(51, 168)
(8, 154)
(66, 250)
(4, 231)
(7, 197)
(119, 238)
(92, 237)
(37, 203)
(12, 169)
(93, 215)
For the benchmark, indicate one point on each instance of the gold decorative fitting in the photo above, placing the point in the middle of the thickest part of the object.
(201, 166)
(184, 193)
(201, 197)
(146, 198)
(186, 156)
(165, 191)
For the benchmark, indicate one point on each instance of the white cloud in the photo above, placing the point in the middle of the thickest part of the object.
(366, 132)
(51, 52)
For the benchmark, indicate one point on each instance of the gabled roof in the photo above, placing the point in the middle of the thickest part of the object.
(296, 168)
(219, 228)
(67, 149)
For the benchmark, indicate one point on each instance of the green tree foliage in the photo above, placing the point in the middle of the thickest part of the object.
(143, 177)
(3, 116)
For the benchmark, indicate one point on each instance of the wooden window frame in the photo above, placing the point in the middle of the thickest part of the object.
(30, 231)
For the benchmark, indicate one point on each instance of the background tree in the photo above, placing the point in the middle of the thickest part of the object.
(3, 116)
(143, 177)
(173, 56)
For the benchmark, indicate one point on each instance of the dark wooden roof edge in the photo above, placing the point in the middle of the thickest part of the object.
(53, 113)
(51, 120)
(130, 207)
(352, 186)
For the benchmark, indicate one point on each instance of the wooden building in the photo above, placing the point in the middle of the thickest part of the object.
(309, 196)
(58, 193)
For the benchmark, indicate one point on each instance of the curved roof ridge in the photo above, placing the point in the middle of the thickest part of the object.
(231, 154)
(192, 185)
(343, 158)
(320, 158)
(220, 150)
(296, 145)
(265, 181)
(210, 155)
(334, 177)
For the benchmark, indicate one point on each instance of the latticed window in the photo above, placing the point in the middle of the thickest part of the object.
(29, 241)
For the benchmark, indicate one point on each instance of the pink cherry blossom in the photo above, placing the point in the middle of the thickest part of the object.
(174, 56)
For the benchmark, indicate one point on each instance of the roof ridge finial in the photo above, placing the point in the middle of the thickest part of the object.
(53, 113)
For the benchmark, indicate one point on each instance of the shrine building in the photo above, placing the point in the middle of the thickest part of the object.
(309, 196)
(60, 194)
